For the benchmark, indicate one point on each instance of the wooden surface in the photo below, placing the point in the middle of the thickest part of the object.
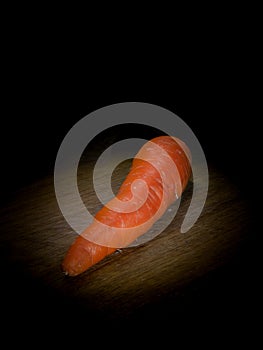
(173, 278)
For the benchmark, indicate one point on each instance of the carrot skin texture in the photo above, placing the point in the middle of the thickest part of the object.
(82, 255)
(84, 252)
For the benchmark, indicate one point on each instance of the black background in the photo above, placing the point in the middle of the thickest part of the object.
(41, 103)
(49, 89)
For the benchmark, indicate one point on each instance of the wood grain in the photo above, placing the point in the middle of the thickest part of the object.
(155, 280)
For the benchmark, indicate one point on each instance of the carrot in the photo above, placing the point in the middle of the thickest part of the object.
(158, 176)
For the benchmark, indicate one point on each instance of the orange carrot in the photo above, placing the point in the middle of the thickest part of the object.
(158, 176)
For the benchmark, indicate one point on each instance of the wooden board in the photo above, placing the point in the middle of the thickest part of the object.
(175, 275)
